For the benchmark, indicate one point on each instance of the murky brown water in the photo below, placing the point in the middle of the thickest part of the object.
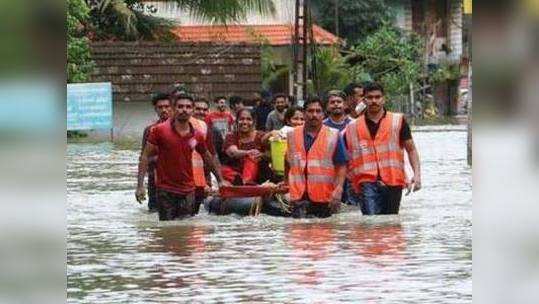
(118, 253)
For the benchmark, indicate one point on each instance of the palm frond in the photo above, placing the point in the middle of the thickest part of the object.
(225, 11)
(121, 18)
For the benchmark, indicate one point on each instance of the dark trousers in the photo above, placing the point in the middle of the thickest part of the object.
(308, 209)
(152, 190)
(199, 199)
(349, 196)
(377, 198)
(173, 206)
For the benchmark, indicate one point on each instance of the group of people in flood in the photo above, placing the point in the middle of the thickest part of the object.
(343, 148)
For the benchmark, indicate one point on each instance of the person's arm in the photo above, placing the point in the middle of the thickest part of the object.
(144, 139)
(340, 176)
(285, 183)
(340, 159)
(210, 160)
(231, 148)
(265, 138)
(286, 171)
(153, 159)
(287, 158)
(413, 157)
(149, 150)
(234, 152)
(408, 144)
(215, 167)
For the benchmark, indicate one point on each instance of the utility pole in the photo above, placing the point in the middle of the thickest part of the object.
(302, 30)
(337, 18)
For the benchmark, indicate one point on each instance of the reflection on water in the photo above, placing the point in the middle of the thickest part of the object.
(119, 253)
(179, 240)
(311, 240)
(378, 241)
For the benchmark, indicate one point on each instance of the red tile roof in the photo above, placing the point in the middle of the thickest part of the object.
(276, 35)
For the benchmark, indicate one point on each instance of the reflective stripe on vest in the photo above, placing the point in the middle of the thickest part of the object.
(198, 163)
(382, 155)
(311, 171)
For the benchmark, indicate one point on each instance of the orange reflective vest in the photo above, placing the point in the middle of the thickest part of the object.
(198, 163)
(382, 156)
(311, 171)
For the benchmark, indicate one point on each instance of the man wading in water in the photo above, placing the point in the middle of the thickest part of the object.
(339, 119)
(376, 142)
(163, 109)
(201, 173)
(174, 141)
(315, 165)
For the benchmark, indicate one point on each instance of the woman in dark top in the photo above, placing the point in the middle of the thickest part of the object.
(244, 151)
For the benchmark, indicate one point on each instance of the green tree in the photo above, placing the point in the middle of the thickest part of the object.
(390, 57)
(128, 19)
(356, 18)
(79, 63)
(332, 70)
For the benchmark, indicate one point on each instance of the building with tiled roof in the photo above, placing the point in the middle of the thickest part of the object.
(275, 30)
(272, 34)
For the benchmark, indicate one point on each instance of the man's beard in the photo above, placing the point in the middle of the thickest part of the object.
(374, 110)
(182, 118)
(163, 116)
(312, 123)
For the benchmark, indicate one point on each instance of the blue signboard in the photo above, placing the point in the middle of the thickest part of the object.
(89, 106)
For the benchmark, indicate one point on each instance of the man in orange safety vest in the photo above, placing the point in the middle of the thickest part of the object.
(376, 142)
(315, 165)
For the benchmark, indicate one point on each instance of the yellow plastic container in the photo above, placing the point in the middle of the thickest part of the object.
(278, 151)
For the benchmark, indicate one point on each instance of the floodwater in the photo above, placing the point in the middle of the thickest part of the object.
(118, 253)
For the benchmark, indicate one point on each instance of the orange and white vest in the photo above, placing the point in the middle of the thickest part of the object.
(198, 163)
(379, 156)
(311, 171)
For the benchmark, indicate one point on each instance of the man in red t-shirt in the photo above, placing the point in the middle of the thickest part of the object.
(174, 141)
(163, 108)
(220, 120)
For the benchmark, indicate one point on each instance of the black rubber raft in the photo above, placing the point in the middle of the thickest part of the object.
(252, 206)
(246, 206)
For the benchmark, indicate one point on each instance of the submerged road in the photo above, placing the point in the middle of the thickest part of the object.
(118, 253)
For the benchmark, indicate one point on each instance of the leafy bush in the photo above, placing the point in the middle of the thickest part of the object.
(445, 72)
(357, 18)
(390, 57)
(331, 69)
(79, 63)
